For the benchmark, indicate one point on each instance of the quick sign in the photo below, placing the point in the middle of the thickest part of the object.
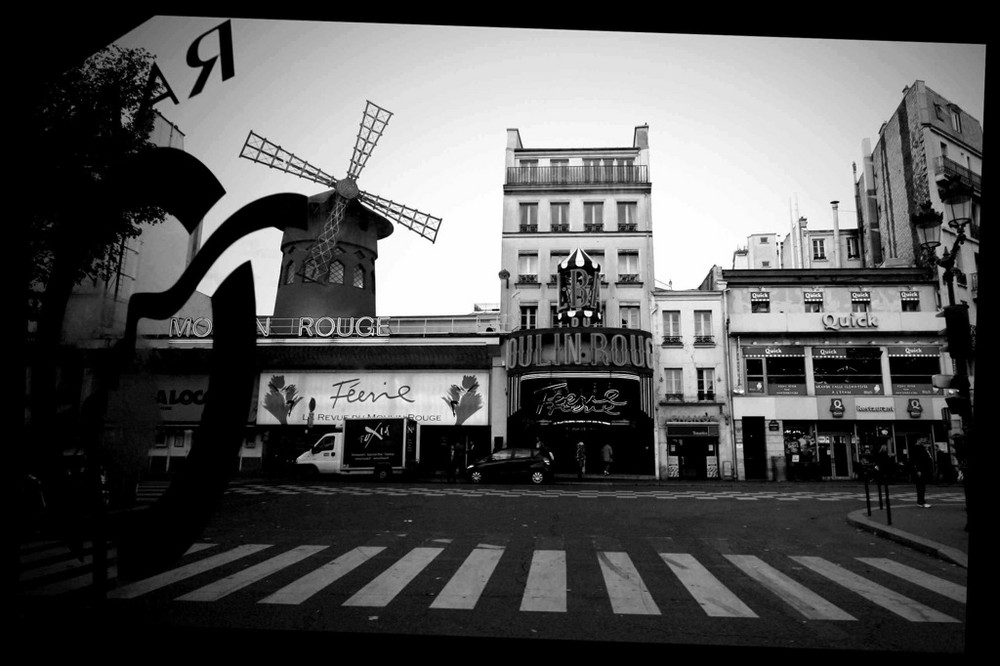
(436, 397)
(832, 322)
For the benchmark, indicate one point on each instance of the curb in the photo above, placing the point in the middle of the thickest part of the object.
(861, 520)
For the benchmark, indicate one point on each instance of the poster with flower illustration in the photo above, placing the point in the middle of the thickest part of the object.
(436, 397)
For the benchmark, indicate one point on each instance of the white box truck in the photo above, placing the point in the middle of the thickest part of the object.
(380, 447)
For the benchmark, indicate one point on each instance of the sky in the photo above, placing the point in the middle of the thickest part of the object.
(745, 132)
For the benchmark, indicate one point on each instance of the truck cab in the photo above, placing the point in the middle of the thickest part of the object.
(325, 456)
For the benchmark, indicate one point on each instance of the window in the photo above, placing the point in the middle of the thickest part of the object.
(673, 384)
(853, 248)
(336, 275)
(777, 375)
(706, 384)
(956, 119)
(847, 370)
(289, 273)
(358, 279)
(560, 170)
(703, 327)
(813, 300)
(909, 301)
(861, 301)
(529, 217)
(939, 111)
(529, 316)
(626, 216)
(944, 149)
(629, 316)
(671, 327)
(531, 169)
(553, 315)
(912, 369)
(760, 301)
(628, 266)
(819, 248)
(527, 267)
(311, 273)
(763, 240)
(560, 216)
(765, 264)
(593, 216)
(598, 257)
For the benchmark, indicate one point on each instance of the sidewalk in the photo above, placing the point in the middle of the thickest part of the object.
(939, 530)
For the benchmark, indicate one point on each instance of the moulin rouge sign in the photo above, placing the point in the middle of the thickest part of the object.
(301, 327)
(619, 348)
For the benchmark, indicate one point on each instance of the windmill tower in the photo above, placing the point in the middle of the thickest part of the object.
(328, 270)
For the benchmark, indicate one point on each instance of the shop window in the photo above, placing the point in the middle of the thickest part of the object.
(801, 454)
(847, 370)
(913, 374)
(777, 375)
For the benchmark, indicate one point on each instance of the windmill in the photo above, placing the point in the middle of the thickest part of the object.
(315, 268)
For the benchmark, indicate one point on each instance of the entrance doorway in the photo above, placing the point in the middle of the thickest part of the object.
(754, 448)
(693, 454)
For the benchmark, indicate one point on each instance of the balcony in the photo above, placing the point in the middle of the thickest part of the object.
(553, 279)
(527, 278)
(672, 397)
(945, 168)
(577, 175)
(628, 226)
(560, 228)
(704, 340)
(672, 341)
(706, 397)
(529, 228)
(593, 228)
(629, 278)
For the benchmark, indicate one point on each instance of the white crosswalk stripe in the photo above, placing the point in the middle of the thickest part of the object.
(714, 597)
(546, 587)
(468, 578)
(326, 575)
(387, 585)
(883, 596)
(798, 596)
(925, 580)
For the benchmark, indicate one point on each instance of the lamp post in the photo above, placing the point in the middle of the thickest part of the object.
(957, 198)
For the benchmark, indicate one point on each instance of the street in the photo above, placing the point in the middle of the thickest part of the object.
(688, 564)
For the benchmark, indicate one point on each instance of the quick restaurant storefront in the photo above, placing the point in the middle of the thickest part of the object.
(594, 385)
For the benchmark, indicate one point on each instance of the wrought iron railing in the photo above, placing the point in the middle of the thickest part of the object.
(944, 166)
(577, 175)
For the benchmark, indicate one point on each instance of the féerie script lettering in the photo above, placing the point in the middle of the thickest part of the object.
(347, 391)
(555, 398)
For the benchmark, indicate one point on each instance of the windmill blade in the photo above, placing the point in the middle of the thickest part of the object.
(373, 122)
(420, 223)
(260, 150)
(320, 253)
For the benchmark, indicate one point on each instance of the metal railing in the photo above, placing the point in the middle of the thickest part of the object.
(944, 166)
(577, 175)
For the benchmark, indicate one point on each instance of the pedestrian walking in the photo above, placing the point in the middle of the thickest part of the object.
(451, 461)
(923, 469)
(581, 459)
(607, 456)
(884, 466)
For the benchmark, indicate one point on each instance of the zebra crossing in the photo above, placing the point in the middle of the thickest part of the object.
(378, 574)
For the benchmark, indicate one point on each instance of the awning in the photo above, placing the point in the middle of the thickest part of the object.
(914, 352)
(773, 351)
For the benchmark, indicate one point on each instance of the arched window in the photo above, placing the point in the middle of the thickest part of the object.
(359, 277)
(290, 272)
(336, 272)
(311, 272)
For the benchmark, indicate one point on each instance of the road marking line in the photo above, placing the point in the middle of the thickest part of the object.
(467, 585)
(546, 586)
(714, 598)
(917, 577)
(391, 582)
(872, 591)
(802, 599)
(310, 584)
(132, 590)
(628, 593)
(249, 576)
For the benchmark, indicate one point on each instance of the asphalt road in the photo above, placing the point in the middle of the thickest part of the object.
(494, 567)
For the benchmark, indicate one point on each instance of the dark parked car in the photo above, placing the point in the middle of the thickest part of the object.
(510, 465)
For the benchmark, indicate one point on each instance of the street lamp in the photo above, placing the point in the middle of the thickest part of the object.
(957, 198)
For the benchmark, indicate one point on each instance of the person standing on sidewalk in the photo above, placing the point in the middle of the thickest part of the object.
(923, 469)
(607, 457)
(581, 459)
